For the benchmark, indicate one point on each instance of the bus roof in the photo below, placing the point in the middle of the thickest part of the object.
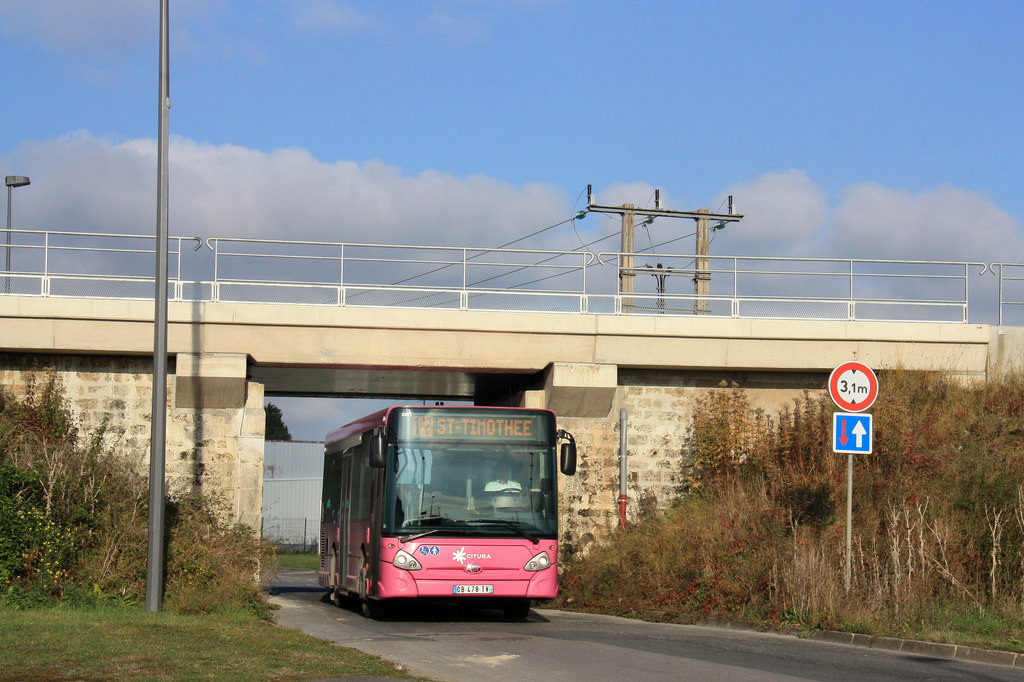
(359, 426)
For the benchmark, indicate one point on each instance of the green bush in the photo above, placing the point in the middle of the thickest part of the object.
(74, 517)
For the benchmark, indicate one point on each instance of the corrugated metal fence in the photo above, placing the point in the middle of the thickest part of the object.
(292, 480)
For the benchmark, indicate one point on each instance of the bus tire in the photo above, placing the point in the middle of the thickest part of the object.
(518, 609)
(371, 608)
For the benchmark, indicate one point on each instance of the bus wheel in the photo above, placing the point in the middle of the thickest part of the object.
(371, 608)
(517, 610)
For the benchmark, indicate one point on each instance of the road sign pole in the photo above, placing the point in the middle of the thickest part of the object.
(853, 387)
(849, 519)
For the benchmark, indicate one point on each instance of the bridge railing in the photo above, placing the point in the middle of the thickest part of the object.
(77, 264)
(1011, 292)
(796, 288)
(88, 264)
(462, 278)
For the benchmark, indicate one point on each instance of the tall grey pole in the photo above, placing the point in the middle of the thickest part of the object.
(158, 437)
(11, 181)
(7, 268)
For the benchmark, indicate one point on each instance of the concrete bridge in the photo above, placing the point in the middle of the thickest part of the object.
(657, 361)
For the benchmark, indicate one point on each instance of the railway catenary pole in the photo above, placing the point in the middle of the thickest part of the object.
(627, 271)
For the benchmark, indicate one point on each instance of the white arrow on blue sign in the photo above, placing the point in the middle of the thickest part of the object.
(851, 433)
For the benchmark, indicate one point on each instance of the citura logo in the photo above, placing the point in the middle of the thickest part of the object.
(461, 555)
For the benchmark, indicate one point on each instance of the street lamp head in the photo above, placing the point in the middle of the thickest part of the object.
(16, 181)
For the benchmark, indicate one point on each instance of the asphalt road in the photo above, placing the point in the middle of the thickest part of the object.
(448, 643)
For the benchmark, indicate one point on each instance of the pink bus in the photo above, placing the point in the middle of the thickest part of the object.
(443, 503)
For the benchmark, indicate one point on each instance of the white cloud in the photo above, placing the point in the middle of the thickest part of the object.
(452, 28)
(78, 25)
(781, 213)
(946, 223)
(86, 183)
(326, 15)
(640, 194)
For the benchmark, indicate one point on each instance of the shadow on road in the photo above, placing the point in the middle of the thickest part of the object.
(445, 611)
(302, 582)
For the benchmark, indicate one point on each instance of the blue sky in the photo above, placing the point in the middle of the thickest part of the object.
(868, 129)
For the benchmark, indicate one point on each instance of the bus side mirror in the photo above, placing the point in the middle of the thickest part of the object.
(568, 463)
(377, 449)
(568, 453)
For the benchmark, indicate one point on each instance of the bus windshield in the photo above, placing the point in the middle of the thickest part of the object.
(492, 476)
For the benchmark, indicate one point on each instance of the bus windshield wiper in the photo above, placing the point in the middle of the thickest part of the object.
(511, 525)
(439, 520)
(417, 536)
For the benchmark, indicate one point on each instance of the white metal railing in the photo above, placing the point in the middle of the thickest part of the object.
(49, 263)
(805, 288)
(1011, 293)
(78, 264)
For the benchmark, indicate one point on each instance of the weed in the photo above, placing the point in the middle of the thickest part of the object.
(756, 531)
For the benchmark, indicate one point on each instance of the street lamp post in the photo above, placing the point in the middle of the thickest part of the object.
(11, 181)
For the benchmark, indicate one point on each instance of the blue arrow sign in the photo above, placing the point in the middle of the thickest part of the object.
(851, 433)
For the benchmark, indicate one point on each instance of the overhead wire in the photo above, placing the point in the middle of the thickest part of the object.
(572, 219)
(582, 245)
(541, 262)
(483, 251)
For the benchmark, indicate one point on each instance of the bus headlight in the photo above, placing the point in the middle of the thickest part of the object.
(538, 563)
(405, 561)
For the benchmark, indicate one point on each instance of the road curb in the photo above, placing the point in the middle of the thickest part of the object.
(913, 646)
(908, 646)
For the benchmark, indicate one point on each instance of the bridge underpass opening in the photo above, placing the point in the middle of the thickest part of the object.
(315, 400)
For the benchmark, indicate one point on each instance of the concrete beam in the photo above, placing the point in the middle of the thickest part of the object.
(333, 337)
(577, 389)
(210, 380)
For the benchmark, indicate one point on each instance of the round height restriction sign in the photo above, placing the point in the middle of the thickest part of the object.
(853, 386)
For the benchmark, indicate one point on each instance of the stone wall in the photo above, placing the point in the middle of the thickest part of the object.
(217, 450)
(660, 410)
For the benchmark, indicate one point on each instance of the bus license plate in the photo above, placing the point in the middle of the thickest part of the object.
(473, 589)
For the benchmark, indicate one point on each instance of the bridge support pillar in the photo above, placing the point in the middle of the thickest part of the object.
(217, 424)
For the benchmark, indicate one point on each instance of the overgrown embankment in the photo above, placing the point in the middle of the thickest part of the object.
(74, 516)
(758, 530)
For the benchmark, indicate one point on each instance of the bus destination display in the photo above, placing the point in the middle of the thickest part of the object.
(421, 426)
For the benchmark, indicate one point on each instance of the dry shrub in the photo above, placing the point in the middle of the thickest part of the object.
(760, 528)
(212, 566)
(697, 558)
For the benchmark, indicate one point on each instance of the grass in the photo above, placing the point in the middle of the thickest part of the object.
(307, 561)
(992, 629)
(131, 644)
